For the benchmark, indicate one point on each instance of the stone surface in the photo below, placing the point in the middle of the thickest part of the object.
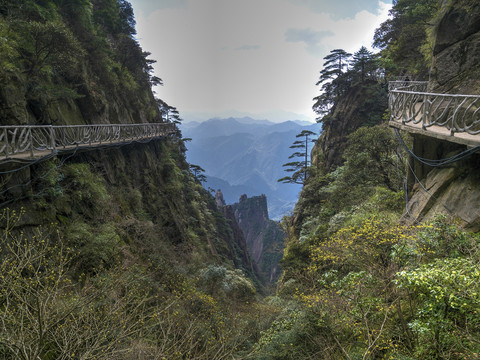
(219, 199)
(461, 199)
(263, 236)
(238, 239)
(363, 104)
(448, 191)
(456, 55)
(426, 194)
(457, 24)
(453, 190)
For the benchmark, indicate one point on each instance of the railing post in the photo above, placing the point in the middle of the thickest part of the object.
(424, 112)
(14, 136)
(403, 106)
(5, 134)
(52, 138)
(454, 114)
(30, 136)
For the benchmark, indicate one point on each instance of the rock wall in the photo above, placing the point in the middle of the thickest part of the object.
(66, 63)
(456, 53)
(238, 245)
(364, 104)
(453, 190)
(264, 237)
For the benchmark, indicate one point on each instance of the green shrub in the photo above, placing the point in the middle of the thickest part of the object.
(97, 248)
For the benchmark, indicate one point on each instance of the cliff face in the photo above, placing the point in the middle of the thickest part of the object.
(238, 244)
(364, 104)
(264, 238)
(455, 66)
(120, 240)
(73, 64)
(79, 63)
(452, 189)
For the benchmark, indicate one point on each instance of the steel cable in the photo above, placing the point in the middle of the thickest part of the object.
(440, 162)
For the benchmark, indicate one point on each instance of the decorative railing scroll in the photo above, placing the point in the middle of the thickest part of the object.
(31, 140)
(410, 103)
(406, 85)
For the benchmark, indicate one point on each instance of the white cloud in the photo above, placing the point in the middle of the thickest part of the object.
(358, 31)
(310, 37)
(248, 55)
(339, 9)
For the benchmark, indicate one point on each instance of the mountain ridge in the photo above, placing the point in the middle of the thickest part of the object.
(248, 154)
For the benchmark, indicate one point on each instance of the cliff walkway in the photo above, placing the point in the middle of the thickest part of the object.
(30, 142)
(450, 117)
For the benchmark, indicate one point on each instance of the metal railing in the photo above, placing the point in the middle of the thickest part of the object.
(30, 140)
(405, 85)
(410, 103)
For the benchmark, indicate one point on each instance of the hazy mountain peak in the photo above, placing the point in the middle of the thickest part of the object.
(245, 155)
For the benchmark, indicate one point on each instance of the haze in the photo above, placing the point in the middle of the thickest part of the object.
(252, 57)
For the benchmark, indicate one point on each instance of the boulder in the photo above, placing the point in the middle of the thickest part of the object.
(449, 191)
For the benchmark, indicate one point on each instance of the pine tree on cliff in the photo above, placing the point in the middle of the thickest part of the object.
(300, 169)
(364, 63)
(334, 65)
(403, 39)
(332, 78)
(197, 172)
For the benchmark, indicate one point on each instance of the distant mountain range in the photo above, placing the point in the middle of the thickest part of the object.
(245, 156)
(278, 116)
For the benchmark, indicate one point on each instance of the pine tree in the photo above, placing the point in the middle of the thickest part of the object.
(300, 169)
(334, 65)
(364, 62)
(197, 172)
(333, 80)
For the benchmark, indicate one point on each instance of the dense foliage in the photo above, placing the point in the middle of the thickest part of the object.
(121, 269)
(123, 255)
(357, 284)
(142, 310)
(406, 48)
(336, 82)
(71, 61)
(120, 253)
(378, 290)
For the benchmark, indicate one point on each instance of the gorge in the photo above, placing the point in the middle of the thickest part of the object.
(118, 251)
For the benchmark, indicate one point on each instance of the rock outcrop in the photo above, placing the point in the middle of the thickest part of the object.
(456, 53)
(238, 245)
(263, 236)
(364, 104)
(219, 199)
(451, 189)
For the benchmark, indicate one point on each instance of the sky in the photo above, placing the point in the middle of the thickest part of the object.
(259, 58)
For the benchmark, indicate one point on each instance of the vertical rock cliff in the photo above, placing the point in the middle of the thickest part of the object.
(238, 244)
(74, 63)
(363, 105)
(455, 66)
(451, 189)
(264, 237)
